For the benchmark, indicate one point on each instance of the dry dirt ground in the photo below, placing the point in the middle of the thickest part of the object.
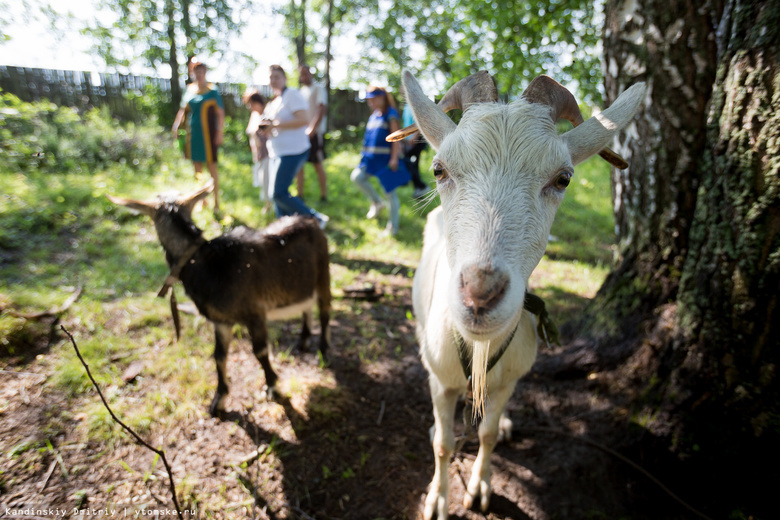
(349, 442)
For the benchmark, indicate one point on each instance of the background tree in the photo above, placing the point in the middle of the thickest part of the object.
(168, 32)
(514, 41)
(4, 21)
(449, 39)
(698, 221)
(296, 19)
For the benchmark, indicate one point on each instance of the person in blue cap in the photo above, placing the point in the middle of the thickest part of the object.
(380, 158)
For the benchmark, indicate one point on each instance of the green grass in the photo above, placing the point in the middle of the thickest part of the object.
(584, 226)
(60, 233)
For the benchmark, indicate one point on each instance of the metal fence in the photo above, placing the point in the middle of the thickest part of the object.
(122, 93)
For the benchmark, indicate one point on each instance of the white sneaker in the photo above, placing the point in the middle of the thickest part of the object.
(376, 207)
(390, 231)
(323, 220)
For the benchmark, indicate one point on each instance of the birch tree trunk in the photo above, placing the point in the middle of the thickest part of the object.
(698, 222)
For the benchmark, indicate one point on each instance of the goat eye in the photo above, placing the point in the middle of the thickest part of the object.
(563, 180)
(438, 172)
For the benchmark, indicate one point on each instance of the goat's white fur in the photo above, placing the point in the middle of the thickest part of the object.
(498, 204)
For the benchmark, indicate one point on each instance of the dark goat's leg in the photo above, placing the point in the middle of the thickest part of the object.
(259, 334)
(224, 334)
(323, 304)
(305, 331)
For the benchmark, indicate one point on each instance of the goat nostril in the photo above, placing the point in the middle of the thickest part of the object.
(482, 290)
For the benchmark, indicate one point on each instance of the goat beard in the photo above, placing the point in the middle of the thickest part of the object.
(479, 361)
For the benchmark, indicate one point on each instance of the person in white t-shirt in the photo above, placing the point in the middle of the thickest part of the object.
(315, 94)
(284, 123)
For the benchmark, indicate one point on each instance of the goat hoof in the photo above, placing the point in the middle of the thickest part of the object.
(435, 507)
(323, 355)
(270, 393)
(483, 493)
(469, 502)
(217, 407)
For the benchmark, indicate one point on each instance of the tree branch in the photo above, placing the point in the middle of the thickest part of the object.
(140, 441)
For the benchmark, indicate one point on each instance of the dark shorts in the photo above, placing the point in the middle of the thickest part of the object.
(317, 150)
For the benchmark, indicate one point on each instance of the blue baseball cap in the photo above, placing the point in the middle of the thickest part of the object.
(375, 93)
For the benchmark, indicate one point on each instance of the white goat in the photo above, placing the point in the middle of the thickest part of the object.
(501, 174)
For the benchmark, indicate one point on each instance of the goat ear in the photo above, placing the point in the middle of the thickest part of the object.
(593, 135)
(137, 206)
(188, 201)
(434, 124)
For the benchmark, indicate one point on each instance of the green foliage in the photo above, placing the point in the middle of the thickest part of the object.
(236, 141)
(346, 138)
(44, 137)
(147, 30)
(49, 157)
(154, 104)
(514, 41)
(5, 21)
(446, 40)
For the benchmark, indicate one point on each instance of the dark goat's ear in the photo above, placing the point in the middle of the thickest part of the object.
(188, 201)
(139, 206)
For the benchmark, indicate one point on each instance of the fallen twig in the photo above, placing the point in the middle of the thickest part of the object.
(369, 292)
(54, 311)
(161, 453)
(249, 458)
(617, 455)
(48, 476)
(31, 374)
(381, 414)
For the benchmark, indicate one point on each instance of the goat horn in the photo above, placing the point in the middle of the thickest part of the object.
(477, 88)
(200, 193)
(543, 89)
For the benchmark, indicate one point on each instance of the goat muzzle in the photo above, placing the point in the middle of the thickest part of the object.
(482, 289)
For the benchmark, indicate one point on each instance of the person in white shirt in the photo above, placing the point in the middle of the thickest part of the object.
(317, 98)
(284, 124)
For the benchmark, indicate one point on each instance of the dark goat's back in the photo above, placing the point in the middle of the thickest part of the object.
(245, 272)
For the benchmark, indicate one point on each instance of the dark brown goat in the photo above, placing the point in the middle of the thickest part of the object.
(245, 276)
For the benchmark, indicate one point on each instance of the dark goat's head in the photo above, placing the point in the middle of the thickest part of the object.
(172, 216)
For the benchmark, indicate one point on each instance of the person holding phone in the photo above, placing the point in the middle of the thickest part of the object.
(284, 124)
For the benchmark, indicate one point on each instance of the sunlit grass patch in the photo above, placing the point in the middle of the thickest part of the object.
(584, 227)
(566, 286)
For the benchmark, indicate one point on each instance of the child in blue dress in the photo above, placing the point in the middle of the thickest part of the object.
(380, 158)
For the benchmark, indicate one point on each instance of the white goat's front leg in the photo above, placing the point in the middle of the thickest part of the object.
(444, 401)
(489, 435)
